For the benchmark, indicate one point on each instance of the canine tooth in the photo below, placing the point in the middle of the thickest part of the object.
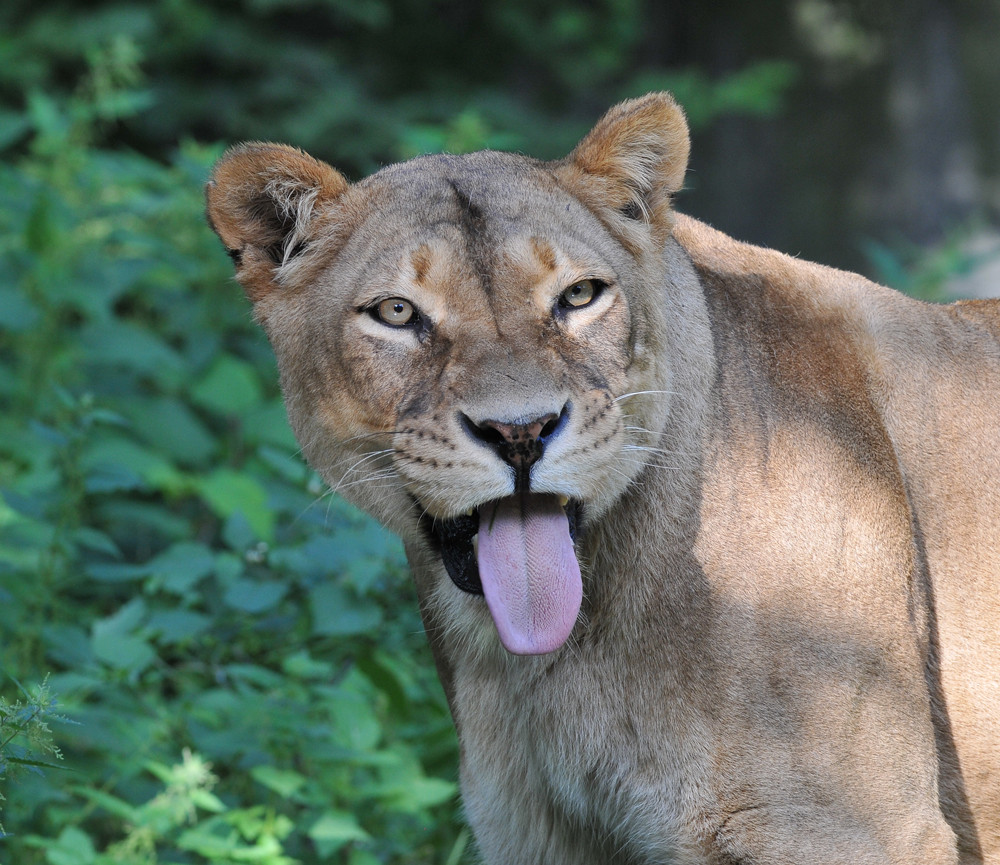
(470, 512)
(563, 501)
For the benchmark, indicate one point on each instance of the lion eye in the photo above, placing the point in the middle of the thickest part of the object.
(580, 293)
(396, 312)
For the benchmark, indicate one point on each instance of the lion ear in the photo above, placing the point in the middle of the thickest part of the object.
(633, 161)
(266, 203)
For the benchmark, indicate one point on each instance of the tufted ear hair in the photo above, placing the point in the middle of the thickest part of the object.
(631, 163)
(266, 202)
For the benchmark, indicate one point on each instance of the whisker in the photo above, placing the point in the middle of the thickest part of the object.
(641, 392)
(374, 455)
(370, 435)
(653, 450)
(373, 479)
(653, 464)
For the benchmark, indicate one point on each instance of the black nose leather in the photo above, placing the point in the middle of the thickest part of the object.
(519, 444)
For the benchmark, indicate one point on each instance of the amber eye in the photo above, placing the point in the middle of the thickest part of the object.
(580, 293)
(396, 311)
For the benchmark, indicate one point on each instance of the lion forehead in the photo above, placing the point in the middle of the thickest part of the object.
(457, 226)
(487, 196)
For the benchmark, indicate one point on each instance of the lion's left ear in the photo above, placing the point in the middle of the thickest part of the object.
(632, 162)
(266, 202)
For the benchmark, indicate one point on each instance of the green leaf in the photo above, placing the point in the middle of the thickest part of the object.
(260, 677)
(214, 839)
(228, 568)
(282, 781)
(99, 542)
(409, 790)
(112, 804)
(217, 840)
(37, 764)
(125, 345)
(285, 463)
(333, 830)
(302, 666)
(111, 479)
(179, 568)
(122, 458)
(253, 596)
(173, 429)
(238, 533)
(229, 387)
(207, 801)
(127, 619)
(72, 847)
(426, 792)
(69, 645)
(124, 652)
(461, 842)
(47, 116)
(229, 492)
(386, 673)
(175, 626)
(268, 424)
(354, 722)
(114, 642)
(338, 612)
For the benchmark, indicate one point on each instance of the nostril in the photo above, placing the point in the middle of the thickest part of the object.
(485, 432)
(554, 425)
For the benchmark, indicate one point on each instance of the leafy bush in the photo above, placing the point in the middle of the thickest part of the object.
(26, 742)
(359, 82)
(929, 273)
(241, 654)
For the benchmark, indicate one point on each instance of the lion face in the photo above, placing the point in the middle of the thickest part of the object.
(463, 346)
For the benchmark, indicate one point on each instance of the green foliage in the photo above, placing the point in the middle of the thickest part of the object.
(756, 90)
(359, 83)
(167, 556)
(239, 653)
(926, 273)
(26, 743)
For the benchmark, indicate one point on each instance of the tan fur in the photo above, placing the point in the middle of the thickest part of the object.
(788, 646)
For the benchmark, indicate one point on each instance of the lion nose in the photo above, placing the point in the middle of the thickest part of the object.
(521, 443)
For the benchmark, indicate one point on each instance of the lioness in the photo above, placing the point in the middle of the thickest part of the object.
(706, 538)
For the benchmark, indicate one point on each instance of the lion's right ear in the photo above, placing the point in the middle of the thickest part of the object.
(266, 202)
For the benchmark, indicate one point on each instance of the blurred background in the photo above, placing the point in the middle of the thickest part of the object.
(205, 658)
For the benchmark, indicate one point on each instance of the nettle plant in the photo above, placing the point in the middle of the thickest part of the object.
(239, 652)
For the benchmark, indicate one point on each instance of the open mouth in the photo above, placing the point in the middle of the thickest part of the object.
(454, 539)
(519, 552)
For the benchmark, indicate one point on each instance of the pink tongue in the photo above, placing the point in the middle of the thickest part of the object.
(529, 572)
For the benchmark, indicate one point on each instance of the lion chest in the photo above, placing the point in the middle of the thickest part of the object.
(570, 756)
